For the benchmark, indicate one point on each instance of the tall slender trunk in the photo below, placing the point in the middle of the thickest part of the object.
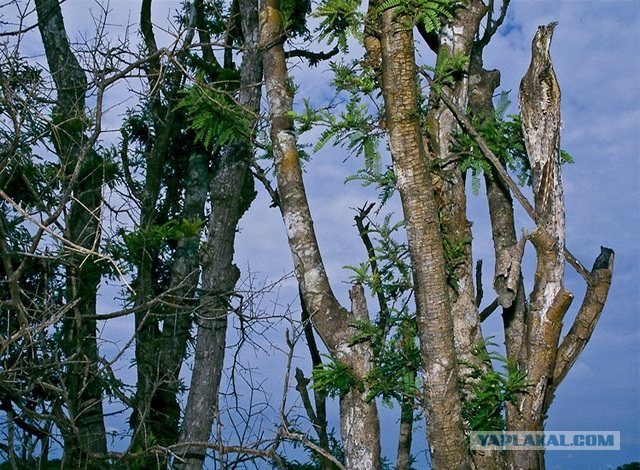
(359, 422)
(445, 430)
(508, 281)
(146, 320)
(86, 433)
(231, 191)
(148, 418)
(231, 195)
(80, 340)
(456, 38)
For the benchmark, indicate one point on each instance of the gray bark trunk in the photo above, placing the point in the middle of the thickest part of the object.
(405, 436)
(508, 280)
(155, 416)
(163, 412)
(145, 428)
(231, 194)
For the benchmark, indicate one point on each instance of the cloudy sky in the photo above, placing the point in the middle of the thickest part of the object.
(595, 53)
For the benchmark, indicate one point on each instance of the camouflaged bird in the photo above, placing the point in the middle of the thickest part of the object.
(540, 113)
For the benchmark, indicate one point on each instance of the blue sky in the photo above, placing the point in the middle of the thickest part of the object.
(595, 54)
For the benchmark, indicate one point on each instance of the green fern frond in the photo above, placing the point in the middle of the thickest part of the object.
(215, 116)
(430, 13)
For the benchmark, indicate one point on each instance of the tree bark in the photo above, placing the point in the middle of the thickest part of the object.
(549, 301)
(86, 434)
(145, 429)
(405, 436)
(540, 104)
(359, 423)
(585, 322)
(508, 281)
(154, 418)
(543, 357)
(231, 192)
(318, 416)
(456, 38)
(447, 441)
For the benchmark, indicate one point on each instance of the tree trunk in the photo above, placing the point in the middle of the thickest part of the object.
(359, 423)
(405, 436)
(147, 421)
(318, 416)
(145, 430)
(231, 194)
(549, 301)
(457, 38)
(447, 441)
(448, 179)
(508, 281)
(84, 170)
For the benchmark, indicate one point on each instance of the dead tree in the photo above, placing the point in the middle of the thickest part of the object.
(546, 359)
(533, 326)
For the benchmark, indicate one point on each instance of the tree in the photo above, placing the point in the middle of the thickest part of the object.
(178, 166)
(83, 171)
(358, 416)
(448, 319)
(158, 211)
(231, 191)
